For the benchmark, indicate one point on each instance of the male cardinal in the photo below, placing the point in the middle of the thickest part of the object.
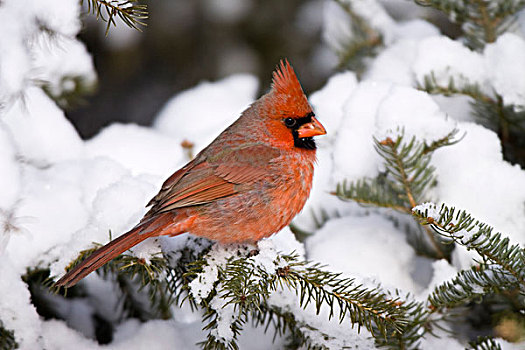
(247, 184)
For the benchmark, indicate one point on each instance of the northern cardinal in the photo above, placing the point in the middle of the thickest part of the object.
(247, 184)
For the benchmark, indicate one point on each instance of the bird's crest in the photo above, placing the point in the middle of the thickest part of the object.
(286, 85)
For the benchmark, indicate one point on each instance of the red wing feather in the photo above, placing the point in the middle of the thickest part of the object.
(207, 181)
(240, 174)
(247, 165)
(208, 190)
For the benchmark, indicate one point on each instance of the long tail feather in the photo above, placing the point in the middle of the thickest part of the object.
(144, 230)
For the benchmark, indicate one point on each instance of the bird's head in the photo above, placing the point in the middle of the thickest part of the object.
(288, 116)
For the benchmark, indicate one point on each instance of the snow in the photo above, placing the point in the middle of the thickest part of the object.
(138, 149)
(21, 23)
(10, 179)
(442, 272)
(375, 16)
(35, 122)
(338, 23)
(328, 102)
(446, 59)
(336, 29)
(61, 193)
(428, 209)
(382, 110)
(505, 65)
(357, 237)
(185, 117)
(58, 61)
(485, 168)
(498, 69)
(134, 335)
(394, 64)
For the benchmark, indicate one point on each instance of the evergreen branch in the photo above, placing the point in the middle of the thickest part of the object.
(133, 275)
(410, 166)
(285, 324)
(181, 267)
(319, 218)
(406, 180)
(482, 21)
(431, 86)
(507, 120)
(244, 287)
(7, 338)
(501, 258)
(418, 325)
(484, 343)
(449, 140)
(301, 234)
(364, 41)
(373, 192)
(472, 285)
(129, 11)
(323, 217)
(369, 308)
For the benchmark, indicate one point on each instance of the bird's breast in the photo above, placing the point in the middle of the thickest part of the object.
(265, 208)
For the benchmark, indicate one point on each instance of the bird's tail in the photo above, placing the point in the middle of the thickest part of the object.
(146, 229)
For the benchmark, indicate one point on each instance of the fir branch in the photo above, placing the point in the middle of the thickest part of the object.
(448, 140)
(129, 11)
(472, 285)
(419, 323)
(7, 339)
(501, 270)
(463, 229)
(246, 286)
(406, 180)
(484, 343)
(301, 234)
(133, 275)
(372, 192)
(408, 165)
(284, 323)
(368, 308)
(431, 86)
(482, 21)
(364, 42)
(507, 120)
(182, 266)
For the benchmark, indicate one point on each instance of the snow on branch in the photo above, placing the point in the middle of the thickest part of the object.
(7, 338)
(502, 264)
(129, 11)
(481, 21)
(407, 177)
(231, 285)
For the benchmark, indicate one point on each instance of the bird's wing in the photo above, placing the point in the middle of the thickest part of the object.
(245, 165)
(207, 179)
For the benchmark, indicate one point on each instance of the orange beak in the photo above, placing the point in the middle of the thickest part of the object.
(310, 129)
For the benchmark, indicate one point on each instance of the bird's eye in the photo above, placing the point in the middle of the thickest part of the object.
(289, 122)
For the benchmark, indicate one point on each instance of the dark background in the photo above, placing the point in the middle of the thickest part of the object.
(186, 42)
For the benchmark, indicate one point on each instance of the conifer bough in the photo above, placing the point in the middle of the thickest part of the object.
(131, 12)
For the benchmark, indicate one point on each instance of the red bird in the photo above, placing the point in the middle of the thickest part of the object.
(249, 183)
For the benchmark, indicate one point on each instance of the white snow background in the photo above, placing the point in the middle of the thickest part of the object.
(58, 193)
